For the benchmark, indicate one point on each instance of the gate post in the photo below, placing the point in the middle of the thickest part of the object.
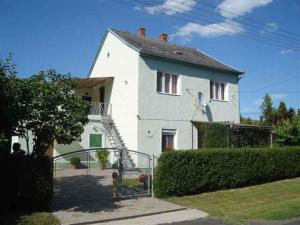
(120, 167)
(152, 176)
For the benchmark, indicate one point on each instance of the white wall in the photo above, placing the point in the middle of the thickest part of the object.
(161, 111)
(122, 64)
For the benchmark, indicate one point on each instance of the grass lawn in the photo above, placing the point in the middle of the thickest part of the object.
(273, 201)
(131, 183)
(30, 219)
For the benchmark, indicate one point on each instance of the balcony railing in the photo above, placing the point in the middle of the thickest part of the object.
(99, 108)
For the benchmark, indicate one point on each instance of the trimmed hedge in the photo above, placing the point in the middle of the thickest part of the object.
(189, 172)
(26, 183)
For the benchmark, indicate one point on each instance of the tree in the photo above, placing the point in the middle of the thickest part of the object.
(56, 113)
(267, 111)
(291, 113)
(281, 113)
(12, 103)
(288, 132)
(45, 104)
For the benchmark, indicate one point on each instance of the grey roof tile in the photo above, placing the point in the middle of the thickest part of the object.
(172, 51)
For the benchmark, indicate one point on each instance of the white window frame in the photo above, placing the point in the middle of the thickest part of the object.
(172, 132)
(226, 90)
(178, 92)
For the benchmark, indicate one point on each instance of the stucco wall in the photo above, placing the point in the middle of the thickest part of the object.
(162, 111)
(118, 60)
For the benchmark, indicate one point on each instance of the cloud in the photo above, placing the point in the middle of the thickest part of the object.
(171, 7)
(277, 96)
(239, 7)
(285, 51)
(271, 27)
(228, 27)
(258, 101)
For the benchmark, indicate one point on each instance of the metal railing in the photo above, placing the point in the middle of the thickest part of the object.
(100, 108)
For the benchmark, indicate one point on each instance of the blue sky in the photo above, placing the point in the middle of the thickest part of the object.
(65, 35)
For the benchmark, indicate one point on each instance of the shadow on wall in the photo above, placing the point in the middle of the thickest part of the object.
(208, 113)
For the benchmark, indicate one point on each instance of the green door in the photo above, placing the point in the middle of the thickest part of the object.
(95, 140)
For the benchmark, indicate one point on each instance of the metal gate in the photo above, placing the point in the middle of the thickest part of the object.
(87, 175)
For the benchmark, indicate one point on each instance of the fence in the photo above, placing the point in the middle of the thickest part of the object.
(233, 135)
(92, 177)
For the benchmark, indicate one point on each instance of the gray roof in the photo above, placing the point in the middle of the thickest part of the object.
(172, 51)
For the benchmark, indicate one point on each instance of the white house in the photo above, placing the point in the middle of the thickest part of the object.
(146, 94)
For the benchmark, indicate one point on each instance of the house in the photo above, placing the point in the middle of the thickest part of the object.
(146, 94)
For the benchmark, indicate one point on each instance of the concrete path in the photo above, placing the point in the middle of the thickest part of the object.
(148, 211)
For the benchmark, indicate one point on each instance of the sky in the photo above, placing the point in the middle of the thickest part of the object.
(65, 34)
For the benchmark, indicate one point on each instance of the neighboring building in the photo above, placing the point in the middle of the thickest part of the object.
(153, 91)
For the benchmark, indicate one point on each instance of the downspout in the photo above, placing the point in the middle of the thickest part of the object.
(192, 135)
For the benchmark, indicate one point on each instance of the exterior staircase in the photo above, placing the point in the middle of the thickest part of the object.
(116, 140)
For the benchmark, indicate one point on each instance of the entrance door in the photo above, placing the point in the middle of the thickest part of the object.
(102, 98)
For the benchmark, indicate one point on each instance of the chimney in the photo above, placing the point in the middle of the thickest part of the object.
(142, 32)
(163, 37)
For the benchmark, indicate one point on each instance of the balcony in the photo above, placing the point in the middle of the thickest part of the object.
(99, 108)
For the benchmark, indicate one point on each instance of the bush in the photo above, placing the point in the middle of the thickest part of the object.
(102, 156)
(288, 132)
(75, 161)
(26, 183)
(195, 171)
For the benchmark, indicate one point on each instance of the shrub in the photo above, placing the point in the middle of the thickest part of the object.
(288, 132)
(75, 161)
(102, 156)
(26, 183)
(195, 171)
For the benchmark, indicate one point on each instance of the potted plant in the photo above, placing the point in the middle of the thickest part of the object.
(75, 162)
(102, 156)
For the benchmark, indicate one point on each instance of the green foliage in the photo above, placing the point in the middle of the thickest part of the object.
(213, 135)
(248, 120)
(56, 112)
(195, 171)
(75, 161)
(102, 156)
(45, 104)
(217, 135)
(267, 111)
(26, 183)
(288, 132)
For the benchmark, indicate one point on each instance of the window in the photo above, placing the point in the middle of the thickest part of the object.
(168, 140)
(167, 83)
(95, 140)
(218, 91)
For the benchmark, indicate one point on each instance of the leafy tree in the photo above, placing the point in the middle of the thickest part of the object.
(291, 113)
(267, 111)
(281, 113)
(56, 113)
(13, 101)
(45, 104)
(288, 132)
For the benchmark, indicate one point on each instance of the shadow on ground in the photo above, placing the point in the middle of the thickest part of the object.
(85, 193)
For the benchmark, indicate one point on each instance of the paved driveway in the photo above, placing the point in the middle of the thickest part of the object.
(131, 211)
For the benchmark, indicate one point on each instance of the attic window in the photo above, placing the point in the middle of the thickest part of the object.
(177, 52)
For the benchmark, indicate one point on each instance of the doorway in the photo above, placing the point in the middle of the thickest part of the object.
(102, 99)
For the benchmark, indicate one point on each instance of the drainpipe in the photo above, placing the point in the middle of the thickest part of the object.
(192, 135)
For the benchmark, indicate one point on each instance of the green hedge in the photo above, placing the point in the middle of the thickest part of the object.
(26, 183)
(195, 171)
